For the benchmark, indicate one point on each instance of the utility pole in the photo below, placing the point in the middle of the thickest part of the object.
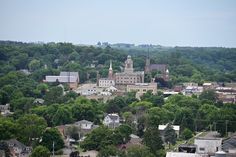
(214, 126)
(53, 148)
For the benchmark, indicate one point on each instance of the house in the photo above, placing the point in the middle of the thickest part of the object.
(5, 110)
(84, 124)
(18, 148)
(72, 78)
(207, 145)
(189, 90)
(38, 101)
(88, 89)
(112, 120)
(161, 128)
(111, 89)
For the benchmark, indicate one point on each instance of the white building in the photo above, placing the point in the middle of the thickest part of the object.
(112, 120)
(207, 145)
(106, 82)
(84, 124)
(109, 81)
(88, 89)
(189, 90)
(142, 88)
(72, 78)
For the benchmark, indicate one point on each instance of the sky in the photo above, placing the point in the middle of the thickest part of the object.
(161, 22)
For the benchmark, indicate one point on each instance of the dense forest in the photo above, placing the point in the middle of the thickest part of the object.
(62, 106)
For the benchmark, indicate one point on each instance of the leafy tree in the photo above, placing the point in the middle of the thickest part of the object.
(169, 134)
(187, 134)
(34, 65)
(22, 103)
(84, 111)
(40, 151)
(8, 129)
(30, 127)
(139, 151)
(108, 151)
(73, 132)
(125, 130)
(54, 95)
(51, 136)
(97, 139)
(61, 116)
(208, 95)
(4, 97)
(153, 140)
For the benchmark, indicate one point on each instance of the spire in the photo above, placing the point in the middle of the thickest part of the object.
(110, 73)
(110, 65)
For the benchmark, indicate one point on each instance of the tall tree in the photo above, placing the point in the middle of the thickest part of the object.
(169, 134)
(31, 127)
(52, 136)
(40, 151)
(153, 140)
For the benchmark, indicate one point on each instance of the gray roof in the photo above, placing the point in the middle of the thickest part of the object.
(229, 143)
(62, 79)
(113, 116)
(65, 73)
(15, 143)
(83, 122)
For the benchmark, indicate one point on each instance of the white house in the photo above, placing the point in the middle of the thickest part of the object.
(84, 124)
(111, 89)
(207, 145)
(112, 120)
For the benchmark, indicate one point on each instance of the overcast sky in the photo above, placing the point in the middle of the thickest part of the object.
(164, 22)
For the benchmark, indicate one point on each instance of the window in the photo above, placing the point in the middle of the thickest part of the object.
(202, 149)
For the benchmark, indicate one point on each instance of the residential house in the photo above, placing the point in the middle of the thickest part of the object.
(84, 124)
(112, 120)
(38, 101)
(207, 145)
(18, 149)
(5, 110)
